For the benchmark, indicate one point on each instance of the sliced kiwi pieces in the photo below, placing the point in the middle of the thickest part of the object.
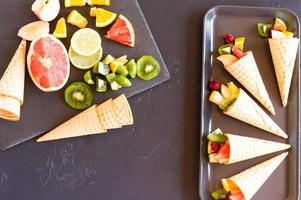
(217, 136)
(110, 77)
(108, 59)
(148, 68)
(131, 66)
(79, 96)
(88, 78)
(101, 68)
(219, 194)
(226, 103)
(123, 81)
(101, 85)
(121, 70)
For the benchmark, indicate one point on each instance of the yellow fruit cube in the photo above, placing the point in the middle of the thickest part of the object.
(239, 42)
(123, 59)
(76, 19)
(216, 97)
(99, 2)
(60, 29)
(93, 12)
(70, 3)
(114, 65)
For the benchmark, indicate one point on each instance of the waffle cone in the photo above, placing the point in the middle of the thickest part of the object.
(246, 110)
(284, 52)
(123, 110)
(12, 81)
(9, 108)
(107, 115)
(251, 180)
(85, 123)
(244, 148)
(246, 72)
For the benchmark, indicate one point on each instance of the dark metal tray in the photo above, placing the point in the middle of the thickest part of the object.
(44, 111)
(241, 21)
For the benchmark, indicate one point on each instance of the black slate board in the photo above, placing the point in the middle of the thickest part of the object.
(44, 111)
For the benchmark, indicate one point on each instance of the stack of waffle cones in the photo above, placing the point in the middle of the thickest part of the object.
(244, 148)
(12, 86)
(99, 119)
(284, 52)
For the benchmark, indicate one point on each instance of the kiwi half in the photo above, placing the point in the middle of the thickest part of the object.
(79, 96)
(148, 68)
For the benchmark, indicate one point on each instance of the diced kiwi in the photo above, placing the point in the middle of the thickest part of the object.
(217, 136)
(226, 103)
(115, 85)
(108, 59)
(225, 49)
(121, 70)
(114, 65)
(101, 68)
(148, 68)
(101, 85)
(264, 29)
(219, 194)
(131, 66)
(123, 81)
(79, 96)
(110, 77)
(88, 78)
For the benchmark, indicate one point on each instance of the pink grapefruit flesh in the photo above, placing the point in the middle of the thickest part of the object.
(122, 31)
(48, 63)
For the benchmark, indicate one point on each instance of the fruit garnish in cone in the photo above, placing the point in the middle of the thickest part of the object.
(236, 103)
(229, 148)
(284, 47)
(242, 66)
(243, 186)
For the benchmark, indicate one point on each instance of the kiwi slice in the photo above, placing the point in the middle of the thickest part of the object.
(79, 96)
(131, 66)
(148, 68)
(88, 78)
(122, 70)
(123, 81)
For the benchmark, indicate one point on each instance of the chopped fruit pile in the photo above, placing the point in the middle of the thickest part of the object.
(276, 30)
(233, 46)
(230, 191)
(218, 147)
(226, 97)
(117, 72)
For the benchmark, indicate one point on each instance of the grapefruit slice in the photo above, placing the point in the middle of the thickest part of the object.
(48, 63)
(122, 31)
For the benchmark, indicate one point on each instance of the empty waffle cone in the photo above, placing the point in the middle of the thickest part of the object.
(284, 52)
(12, 81)
(9, 108)
(85, 123)
(251, 180)
(244, 148)
(123, 110)
(246, 110)
(246, 72)
(107, 115)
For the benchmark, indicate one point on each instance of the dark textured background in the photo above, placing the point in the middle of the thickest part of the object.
(155, 159)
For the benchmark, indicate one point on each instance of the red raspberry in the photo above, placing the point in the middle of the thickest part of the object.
(214, 85)
(215, 147)
(229, 38)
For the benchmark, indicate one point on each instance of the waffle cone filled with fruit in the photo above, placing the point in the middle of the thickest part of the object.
(236, 103)
(242, 66)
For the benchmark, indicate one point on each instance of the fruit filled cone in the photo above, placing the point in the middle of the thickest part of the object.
(244, 148)
(12, 81)
(95, 120)
(246, 110)
(251, 180)
(284, 52)
(246, 72)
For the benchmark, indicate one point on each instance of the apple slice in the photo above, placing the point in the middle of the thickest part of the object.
(227, 59)
(278, 35)
(216, 97)
(46, 10)
(226, 92)
(33, 30)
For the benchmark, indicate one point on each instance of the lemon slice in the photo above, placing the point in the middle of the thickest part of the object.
(76, 19)
(99, 2)
(60, 29)
(85, 42)
(104, 17)
(70, 3)
(84, 62)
